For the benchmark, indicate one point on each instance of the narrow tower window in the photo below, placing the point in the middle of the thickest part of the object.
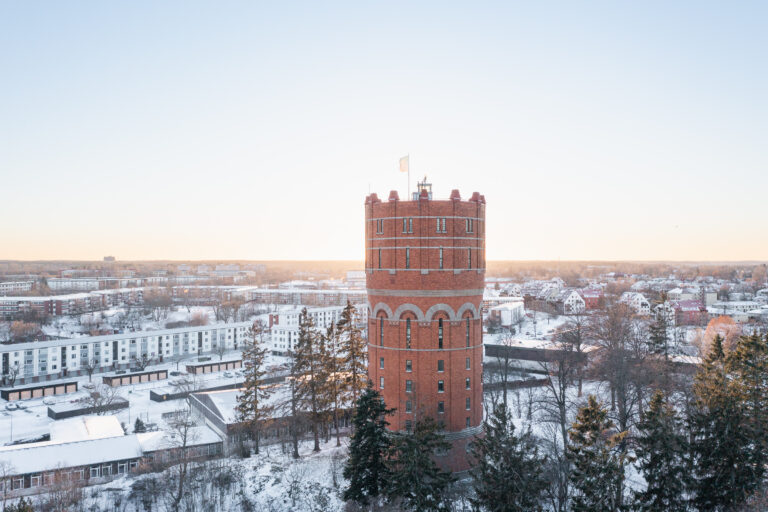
(468, 332)
(407, 257)
(381, 331)
(405, 225)
(408, 333)
(441, 258)
(469, 258)
(410, 225)
(440, 333)
(379, 258)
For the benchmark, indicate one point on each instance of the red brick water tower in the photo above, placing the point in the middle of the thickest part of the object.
(425, 269)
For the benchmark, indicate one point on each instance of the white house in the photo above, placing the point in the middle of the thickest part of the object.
(637, 302)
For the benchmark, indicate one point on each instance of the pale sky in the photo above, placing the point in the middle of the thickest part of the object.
(247, 130)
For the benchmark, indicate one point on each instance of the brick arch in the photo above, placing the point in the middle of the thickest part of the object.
(467, 306)
(402, 308)
(440, 307)
(382, 306)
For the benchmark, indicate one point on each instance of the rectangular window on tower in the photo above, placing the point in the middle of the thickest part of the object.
(469, 258)
(408, 365)
(440, 407)
(470, 226)
(379, 258)
(405, 225)
(408, 406)
(440, 333)
(467, 383)
(467, 364)
(440, 386)
(467, 331)
(407, 257)
(381, 363)
(381, 332)
(381, 382)
(467, 404)
(440, 365)
(441, 258)
(410, 225)
(408, 386)
(408, 333)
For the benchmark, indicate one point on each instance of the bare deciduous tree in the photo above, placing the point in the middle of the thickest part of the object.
(101, 398)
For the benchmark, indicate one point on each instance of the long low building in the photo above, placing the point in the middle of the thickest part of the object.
(55, 359)
(94, 449)
(70, 304)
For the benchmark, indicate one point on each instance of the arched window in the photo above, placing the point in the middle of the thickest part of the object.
(440, 333)
(408, 333)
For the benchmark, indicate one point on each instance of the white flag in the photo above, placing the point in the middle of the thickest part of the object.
(404, 164)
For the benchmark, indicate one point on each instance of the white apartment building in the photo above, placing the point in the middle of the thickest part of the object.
(737, 306)
(637, 302)
(285, 332)
(16, 287)
(44, 360)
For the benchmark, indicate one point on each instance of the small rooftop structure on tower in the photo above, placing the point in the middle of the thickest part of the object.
(423, 189)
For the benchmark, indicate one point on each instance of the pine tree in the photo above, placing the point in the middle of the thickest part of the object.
(721, 443)
(747, 366)
(366, 468)
(508, 475)
(658, 336)
(661, 456)
(417, 483)
(139, 426)
(354, 347)
(24, 505)
(334, 363)
(598, 466)
(311, 357)
(252, 408)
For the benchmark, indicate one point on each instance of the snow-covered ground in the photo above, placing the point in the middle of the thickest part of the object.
(33, 421)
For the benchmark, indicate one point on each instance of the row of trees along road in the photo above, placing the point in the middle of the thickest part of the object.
(326, 374)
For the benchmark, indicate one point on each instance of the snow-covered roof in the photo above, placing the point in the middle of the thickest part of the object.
(162, 440)
(85, 427)
(42, 457)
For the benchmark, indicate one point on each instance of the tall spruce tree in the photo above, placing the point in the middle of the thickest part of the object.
(354, 348)
(724, 477)
(597, 462)
(336, 388)
(252, 408)
(311, 365)
(747, 367)
(508, 475)
(661, 449)
(658, 336)
(366, 468)
(416, 482)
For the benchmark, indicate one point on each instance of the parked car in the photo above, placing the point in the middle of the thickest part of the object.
(228, 374)
(49, 400)
(11, 406)
(20, 406)
(89, 385)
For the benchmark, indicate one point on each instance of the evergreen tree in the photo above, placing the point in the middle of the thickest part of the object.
(747, 366)
(724, 476)
(354, 348)
(508, 475)
(139, 426)
(416, 482)
(334, 363)
(658, 336)
(598, 466)
(661, 449)
(252, 408)
(366, 468)
(311, 358)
